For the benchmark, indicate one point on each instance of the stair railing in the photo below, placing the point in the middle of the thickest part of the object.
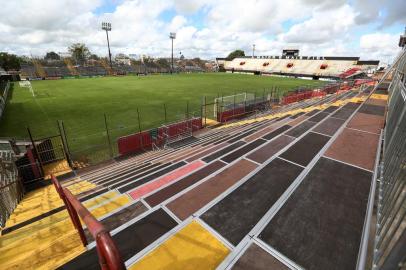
(109, 256)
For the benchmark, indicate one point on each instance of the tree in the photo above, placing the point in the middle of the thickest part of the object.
(52, 56)
(94, 57)
(163, 62)
(9, 61)
(235, 54)
(79, 52)
(200, 62)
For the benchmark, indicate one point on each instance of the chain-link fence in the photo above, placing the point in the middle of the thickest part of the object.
(97, 141)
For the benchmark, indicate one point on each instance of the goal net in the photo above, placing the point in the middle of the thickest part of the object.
(233, 101)
(27, 84)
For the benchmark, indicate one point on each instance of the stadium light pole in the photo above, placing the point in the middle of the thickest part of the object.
(253, 50)
(172, 36)
(107, 26)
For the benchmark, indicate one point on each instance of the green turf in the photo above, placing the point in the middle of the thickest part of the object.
(81, 103)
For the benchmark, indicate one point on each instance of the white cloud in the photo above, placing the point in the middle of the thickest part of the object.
(379, 45)
(177, 22)
(260, 16)
(383, 12)
(317, 27)
(323, 26)
(43, 14)
(188, 6)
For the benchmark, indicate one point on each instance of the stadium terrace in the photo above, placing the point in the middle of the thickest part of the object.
(239, 162)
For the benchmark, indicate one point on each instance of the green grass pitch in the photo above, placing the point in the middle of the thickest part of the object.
(82, 103)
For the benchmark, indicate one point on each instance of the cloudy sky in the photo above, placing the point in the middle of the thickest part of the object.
(205, 28)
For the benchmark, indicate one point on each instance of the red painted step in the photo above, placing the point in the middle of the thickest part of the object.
(157, 183)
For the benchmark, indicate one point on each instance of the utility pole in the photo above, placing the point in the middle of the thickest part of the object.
(107, 26)
(172, 36)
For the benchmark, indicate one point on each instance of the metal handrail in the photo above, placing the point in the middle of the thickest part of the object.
(109, 255)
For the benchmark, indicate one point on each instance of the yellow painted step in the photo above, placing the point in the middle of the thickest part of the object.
(39, 204)
(272, 116)
(50, 257)
(120, 201)
(16, 251)
(53, 219)
(193, 247)
(49, 193)
(379, 96)
(56, 168)
(42, 238)
(101, 198)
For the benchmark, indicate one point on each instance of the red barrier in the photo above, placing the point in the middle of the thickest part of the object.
(230, 114)
(358, 82)
(348, 72)
(33, 162)
(143, 141)
(109, 256)
(302, 96)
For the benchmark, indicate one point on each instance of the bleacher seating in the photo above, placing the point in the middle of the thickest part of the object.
(298, 66)
(94, 68)
(228, 197)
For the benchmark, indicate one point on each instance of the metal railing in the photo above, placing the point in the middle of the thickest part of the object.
(3, 96)
(109, 256)
(390, 240)
(11, 189)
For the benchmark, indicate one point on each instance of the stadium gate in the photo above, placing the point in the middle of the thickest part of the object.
(209, 112)
(46, 156)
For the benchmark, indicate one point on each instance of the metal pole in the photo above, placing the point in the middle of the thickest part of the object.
(139, 129)
(187, 109)
(222, 107)
(36, 151)
(108, 45)
(205, 111)
(64, 144)
(245, 103)
(66, 137)
(172, 57)
(234, 104)
(139, 121)
(164, 113)
(108, 135)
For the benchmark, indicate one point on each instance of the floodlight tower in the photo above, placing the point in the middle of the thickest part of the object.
(172, 36)
(107, 26)
(253, 50)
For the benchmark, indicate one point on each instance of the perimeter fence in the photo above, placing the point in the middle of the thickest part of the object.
(91, 142)
(390, 240)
